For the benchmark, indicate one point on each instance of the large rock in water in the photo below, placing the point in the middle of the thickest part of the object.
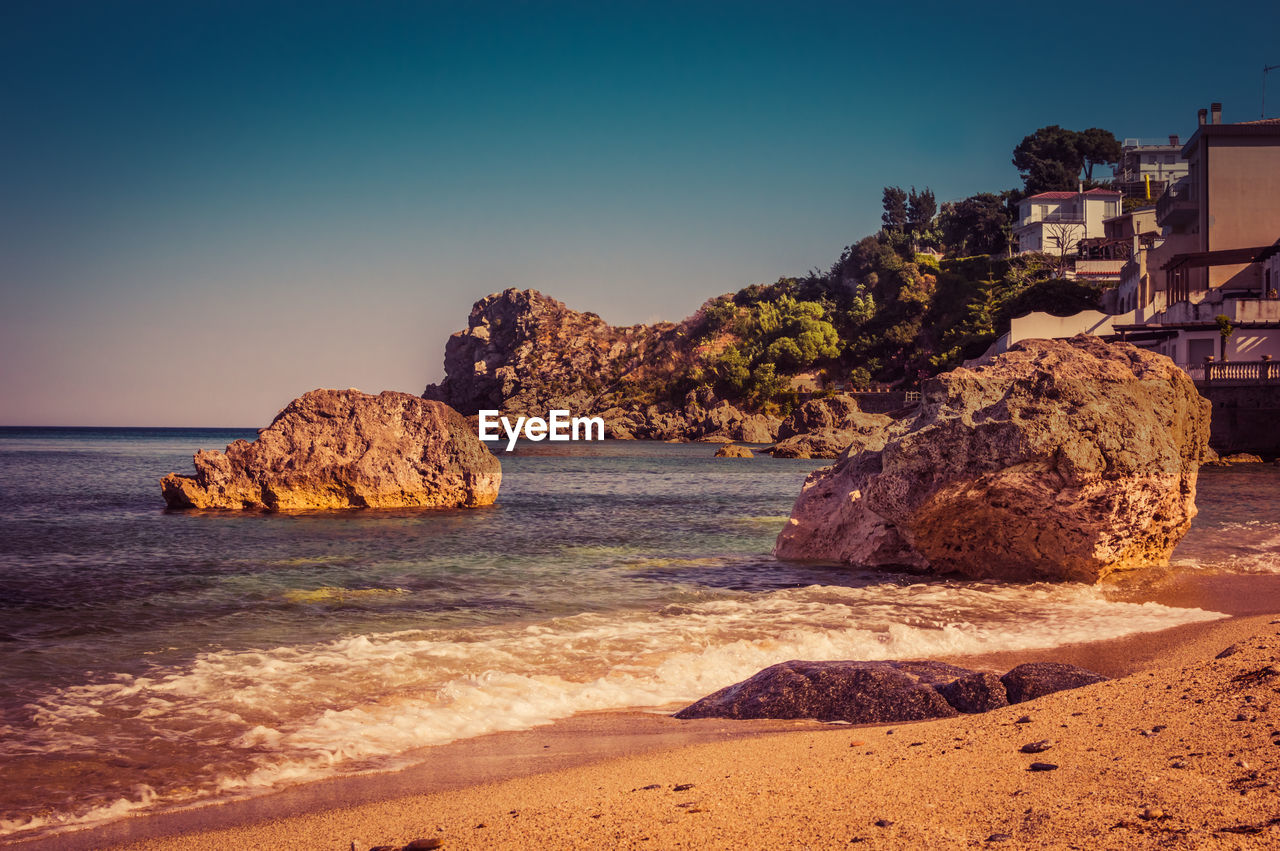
(1062, 459)
(346, 449)
(825, 428)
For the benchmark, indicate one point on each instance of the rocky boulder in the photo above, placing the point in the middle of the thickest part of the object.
(824, 428)
(1061, 459)
(882, 692)
(1036, 679)
(857, 692)
(730, 450)
(334, 449)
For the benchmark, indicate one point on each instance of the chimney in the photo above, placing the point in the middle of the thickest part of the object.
(1173, 140)
(1203, 115)
(1216, 110)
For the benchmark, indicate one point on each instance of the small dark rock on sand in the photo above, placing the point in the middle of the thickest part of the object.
(1037, 747)
(1042, 766)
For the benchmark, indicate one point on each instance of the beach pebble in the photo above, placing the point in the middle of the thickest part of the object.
(1042, 766)
(999, 837)
(1025, 719)
(424, 845)
(883, 823)
(1152, 813)
(682, 787)
(1037, 747)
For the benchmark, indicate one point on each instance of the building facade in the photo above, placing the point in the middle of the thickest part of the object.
(1057, 222)
(1147, 167)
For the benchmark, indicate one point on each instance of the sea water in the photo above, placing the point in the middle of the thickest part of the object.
(153, 659)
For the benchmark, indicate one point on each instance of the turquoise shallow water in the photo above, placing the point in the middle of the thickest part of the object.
(153, 658)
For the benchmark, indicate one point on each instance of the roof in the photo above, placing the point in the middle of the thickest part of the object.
(1066, 196)
(1221, 257)
(1264, 127)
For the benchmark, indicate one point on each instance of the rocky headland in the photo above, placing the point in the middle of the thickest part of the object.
(524, 353)
(336, 449)
(1062, 459)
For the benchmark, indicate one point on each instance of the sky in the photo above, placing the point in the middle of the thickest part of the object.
(209, 208)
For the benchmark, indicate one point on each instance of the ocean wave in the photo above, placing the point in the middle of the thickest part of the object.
(259, 719)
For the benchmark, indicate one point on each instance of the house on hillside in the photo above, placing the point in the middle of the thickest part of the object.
(1211, 249)
(1147, 167)
(1056, 222)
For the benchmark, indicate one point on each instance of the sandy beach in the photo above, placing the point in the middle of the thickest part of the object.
(1178, 751)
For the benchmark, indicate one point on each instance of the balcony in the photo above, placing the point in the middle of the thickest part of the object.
(1175, 208)
(1238, 310)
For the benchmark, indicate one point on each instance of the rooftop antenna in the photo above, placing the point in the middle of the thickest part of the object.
(1265, 69)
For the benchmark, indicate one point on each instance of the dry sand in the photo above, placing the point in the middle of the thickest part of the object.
(1184, 754)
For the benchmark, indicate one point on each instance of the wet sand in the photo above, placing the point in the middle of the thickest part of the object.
(581, 783)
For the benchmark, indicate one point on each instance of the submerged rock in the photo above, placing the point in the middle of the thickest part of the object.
(730, 450)
(335, 449)
(1062, 459)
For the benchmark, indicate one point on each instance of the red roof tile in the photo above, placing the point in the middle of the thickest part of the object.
(1065, 196)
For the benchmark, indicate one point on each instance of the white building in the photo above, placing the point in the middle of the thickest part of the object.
(1055, 222)
(1147, 167)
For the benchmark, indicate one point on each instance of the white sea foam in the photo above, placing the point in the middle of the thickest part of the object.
(261, 719)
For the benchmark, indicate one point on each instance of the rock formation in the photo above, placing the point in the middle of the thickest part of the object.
(1062, 459)
(524, 353)
(346, 449)
(881, 692)
(1036, 679)
(825, 428)
(731, 450)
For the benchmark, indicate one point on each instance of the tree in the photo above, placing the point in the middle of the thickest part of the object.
(895, 208)
(1225, 330)
(921, 209)
(979, 224)
(1049, 159)
(1052, 158)
(1097, 147)
(1063, 236)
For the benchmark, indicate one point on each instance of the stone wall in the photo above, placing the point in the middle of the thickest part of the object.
(1246, 418)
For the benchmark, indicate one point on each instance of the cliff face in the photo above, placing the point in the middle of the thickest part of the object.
(524, 353)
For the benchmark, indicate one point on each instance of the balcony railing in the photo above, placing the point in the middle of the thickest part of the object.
(1244, 372)
(1176, 206)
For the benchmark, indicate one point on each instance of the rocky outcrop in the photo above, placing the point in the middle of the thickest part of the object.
(730, 450)
(1242, 458)
(524, 353)
(825, 428)
(1036, 679)
(333, 449)
(1062, 459)
(880, 692)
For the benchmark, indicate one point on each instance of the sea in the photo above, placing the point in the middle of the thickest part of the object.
(153, 660)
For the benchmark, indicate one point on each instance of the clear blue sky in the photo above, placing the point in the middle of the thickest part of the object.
(208, 208)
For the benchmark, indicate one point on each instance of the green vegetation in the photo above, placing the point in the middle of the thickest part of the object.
(1052, 158)
(932, 288)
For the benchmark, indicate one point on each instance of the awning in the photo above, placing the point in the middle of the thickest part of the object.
(1222, 257)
